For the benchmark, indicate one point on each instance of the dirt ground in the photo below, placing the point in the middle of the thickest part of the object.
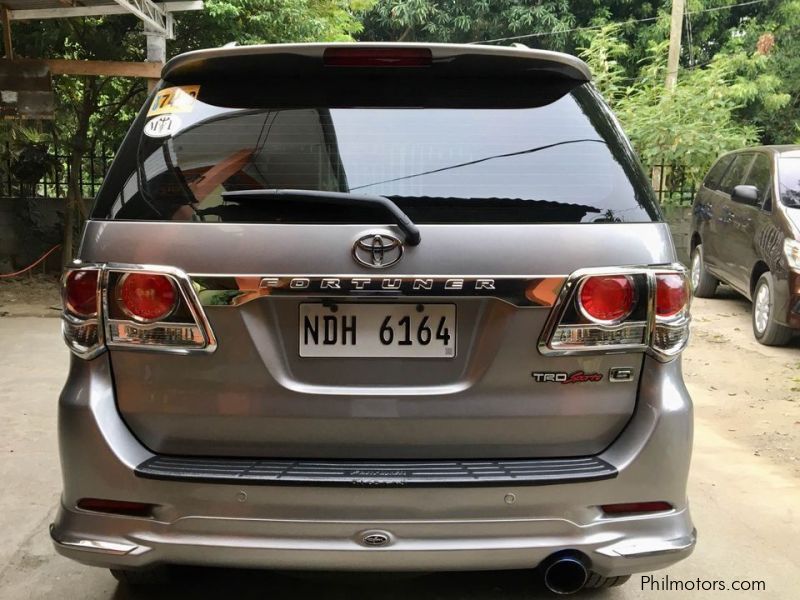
(30, 296)
(751, 392)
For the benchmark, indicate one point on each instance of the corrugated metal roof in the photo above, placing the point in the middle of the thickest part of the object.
(39, 4)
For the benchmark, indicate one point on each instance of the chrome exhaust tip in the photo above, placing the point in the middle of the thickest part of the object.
(565, 573)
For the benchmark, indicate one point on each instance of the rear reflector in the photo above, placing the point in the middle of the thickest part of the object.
(377, 57)
(147, 297)
(80, 292)
(607, 298)
(117, 507)
(627, 508)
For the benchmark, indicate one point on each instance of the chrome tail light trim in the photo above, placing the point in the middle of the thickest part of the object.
(170, 335)
(652, 326)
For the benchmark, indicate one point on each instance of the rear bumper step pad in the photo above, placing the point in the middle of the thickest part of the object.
(413, 473)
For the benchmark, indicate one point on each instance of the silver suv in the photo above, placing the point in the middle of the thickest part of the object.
(376, 307)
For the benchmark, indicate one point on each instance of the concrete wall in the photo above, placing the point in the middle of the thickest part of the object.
(28, 228)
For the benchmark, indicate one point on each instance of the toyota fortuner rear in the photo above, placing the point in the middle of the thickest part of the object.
(376, 307)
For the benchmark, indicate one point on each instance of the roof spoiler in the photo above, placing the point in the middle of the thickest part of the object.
(453, 59)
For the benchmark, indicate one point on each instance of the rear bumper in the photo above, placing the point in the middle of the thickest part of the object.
(504, 526)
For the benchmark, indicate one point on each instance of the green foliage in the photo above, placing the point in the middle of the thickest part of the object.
(268, 22)
(463, 21)
(692, 125)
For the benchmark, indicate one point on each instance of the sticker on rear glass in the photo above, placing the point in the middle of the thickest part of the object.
(163, 126)
(174, 100)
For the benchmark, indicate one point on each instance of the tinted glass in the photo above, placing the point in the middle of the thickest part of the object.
(760, 176)
(561, 162)
(789, 177)
(736, 172)
(717, 171)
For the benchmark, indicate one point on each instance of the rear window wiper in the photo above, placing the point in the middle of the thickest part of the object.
(402, 220)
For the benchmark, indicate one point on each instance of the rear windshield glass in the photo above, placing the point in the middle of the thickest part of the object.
(789, 176)
(564, 161)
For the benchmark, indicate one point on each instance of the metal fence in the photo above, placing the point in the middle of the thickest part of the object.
(54, 184)
(671, 185)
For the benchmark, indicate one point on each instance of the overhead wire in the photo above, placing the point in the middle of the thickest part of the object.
(620, 23)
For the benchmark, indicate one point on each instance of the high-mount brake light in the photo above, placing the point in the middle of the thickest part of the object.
(607, 298)
(621, 309)
(377, 57)
(80, 292)
(672, 294)
(147, 297)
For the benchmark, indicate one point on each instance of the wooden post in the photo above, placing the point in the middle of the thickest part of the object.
(9, 48)
(675, 32)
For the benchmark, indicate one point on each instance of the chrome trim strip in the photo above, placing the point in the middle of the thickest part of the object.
(538, 291)
(98, 546)
(644, 548)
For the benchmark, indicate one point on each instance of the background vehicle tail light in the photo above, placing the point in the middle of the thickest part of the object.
(606, 298)
(80, 320)
(602, 311)
(147, 297)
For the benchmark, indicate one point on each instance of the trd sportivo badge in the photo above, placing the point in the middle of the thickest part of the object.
(377, 250)
(560, 377)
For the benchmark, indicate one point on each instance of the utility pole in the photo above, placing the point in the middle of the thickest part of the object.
(156, 51)
(675, 31)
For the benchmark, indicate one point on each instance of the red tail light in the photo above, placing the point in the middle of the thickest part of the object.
(147, 297)
(672, 294)
(607, 298)
(80, 292)
(377, 57)
(635, 507)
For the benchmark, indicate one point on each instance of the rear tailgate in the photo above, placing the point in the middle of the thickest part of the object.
(508, 203)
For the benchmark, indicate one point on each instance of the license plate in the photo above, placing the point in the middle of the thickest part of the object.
(378, 330)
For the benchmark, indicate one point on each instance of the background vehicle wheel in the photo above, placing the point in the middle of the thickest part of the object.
(596, 581)
(703, 283)
(766, 330)
(142, 577)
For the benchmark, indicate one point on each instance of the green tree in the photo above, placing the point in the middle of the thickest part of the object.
(95, 112)
(700, 119)
(463, 21)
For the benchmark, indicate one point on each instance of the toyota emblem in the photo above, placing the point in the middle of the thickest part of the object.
(377, 250)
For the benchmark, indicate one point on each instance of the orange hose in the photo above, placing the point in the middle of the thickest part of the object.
(28, 268)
